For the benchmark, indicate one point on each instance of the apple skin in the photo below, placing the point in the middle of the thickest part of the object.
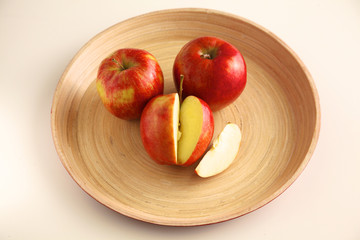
(213, 69)
(127, 80)
(156, 129)
(206, 135)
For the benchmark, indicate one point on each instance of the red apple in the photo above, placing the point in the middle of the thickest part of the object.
(127, 80)
(175, 133)
(213, 69)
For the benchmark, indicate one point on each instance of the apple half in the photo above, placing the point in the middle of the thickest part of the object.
(174, 132)
(222, 153)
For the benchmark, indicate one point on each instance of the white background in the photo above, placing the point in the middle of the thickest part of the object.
(38, 198)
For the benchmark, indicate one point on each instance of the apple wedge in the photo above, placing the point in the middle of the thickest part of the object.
(196, 129)
(222, 153)
(159, 128)
(176, 133)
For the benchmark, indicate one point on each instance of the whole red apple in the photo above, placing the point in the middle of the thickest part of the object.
(127, 80)
(213, 69)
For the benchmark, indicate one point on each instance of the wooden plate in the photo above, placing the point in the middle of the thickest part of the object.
(278, 113)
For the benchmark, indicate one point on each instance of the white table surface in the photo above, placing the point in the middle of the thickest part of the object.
(38, 198)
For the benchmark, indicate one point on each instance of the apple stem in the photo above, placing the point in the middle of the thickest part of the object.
(181, 87)
(115, 61)
(122, 67)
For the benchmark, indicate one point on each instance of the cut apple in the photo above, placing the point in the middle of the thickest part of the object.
(159, 128)
(196, 129)
(223, 152)
(176, 133)
(191, 119)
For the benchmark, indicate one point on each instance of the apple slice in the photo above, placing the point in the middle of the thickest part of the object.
(159, 128)
(222, 153)
(196, 130)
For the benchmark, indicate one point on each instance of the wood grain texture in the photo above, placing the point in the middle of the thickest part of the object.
(278, 114)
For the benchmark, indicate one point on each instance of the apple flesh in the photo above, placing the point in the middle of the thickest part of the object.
(222, 153)
(214, 70)
(176, 133)
(196, 128)
(127, 80)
